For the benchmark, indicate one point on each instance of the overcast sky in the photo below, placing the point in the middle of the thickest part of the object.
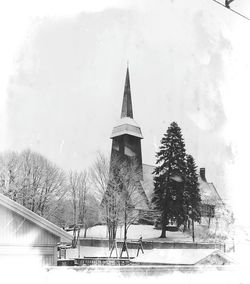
(63, 72)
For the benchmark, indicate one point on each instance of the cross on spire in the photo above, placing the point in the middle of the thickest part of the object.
(127, 110)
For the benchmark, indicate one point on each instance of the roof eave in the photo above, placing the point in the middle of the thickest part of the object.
(123, 132)
(33, 217)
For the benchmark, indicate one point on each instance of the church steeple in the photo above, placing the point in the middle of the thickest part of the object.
(127, 124)
(126, 135)
(127, 110)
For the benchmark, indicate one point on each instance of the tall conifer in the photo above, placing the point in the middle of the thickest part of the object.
(169, 177)
(192, 197)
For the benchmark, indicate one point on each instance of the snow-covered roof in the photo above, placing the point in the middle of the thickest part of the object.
(148, 181)
(126, 125)
(127, 120)
(208, 192)
(34, 218)
(177, 256)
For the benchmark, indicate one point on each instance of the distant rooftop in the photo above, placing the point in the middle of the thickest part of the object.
(208, 192)
(182, 257)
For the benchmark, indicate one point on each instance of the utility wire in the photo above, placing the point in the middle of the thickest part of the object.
(231, 10)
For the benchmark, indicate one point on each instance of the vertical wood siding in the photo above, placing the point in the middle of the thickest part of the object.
(24, 241)
(14, 229)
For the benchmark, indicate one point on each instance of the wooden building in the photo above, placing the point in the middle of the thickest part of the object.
(25, 237)
(126, 145)
(126, 142)
(182, 257)
(210, 198)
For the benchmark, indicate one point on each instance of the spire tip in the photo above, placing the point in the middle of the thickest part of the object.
(127, 110)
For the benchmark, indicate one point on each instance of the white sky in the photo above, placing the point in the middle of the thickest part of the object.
(63, 67)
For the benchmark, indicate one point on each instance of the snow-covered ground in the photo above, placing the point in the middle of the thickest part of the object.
(86, 251)
(135, 231)
(242, 243)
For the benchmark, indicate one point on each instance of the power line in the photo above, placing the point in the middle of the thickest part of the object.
(239, 14)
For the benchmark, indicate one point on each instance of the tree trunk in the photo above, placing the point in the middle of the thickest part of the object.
(110, 236)
(193, 230)
(114, 231)
(164, 221)
(85, 232)
(125, 224)
(185, 226)
(163, 226)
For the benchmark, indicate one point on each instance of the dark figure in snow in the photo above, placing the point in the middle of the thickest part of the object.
(140, 246)
(227, 3)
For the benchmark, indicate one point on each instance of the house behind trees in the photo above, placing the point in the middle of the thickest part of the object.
(210, 198)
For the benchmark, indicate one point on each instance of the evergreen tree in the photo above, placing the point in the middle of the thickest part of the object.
(169, 177)
(192, 197)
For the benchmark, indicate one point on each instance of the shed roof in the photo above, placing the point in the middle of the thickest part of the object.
(177, 256)
(33, 217)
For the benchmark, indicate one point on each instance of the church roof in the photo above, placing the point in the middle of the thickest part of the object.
(208, 192)
(126, 124)
(148, 181)
(139, 198)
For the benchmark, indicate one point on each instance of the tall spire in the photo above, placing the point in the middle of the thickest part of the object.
(127, 110)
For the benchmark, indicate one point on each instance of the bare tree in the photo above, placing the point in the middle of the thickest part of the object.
(133, 201)
(120, 192)
(32, 180)
(224, 222)
(82, 197)
(74, 193)
(54, 189)
(106, 190)
(62, 213)
(84, 205)
(9, 174)
(99, 175)
(91, 217)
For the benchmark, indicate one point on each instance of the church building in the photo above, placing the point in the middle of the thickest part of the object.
(126, 142)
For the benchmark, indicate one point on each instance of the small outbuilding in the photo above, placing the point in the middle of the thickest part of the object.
(182, 257)
(26, 237)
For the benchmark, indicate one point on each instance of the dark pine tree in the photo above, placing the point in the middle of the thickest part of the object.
(192, 197)
(169, 178)
(192, 191)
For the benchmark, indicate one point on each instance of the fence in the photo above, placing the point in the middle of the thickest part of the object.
(111, 261)
(132, 244)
